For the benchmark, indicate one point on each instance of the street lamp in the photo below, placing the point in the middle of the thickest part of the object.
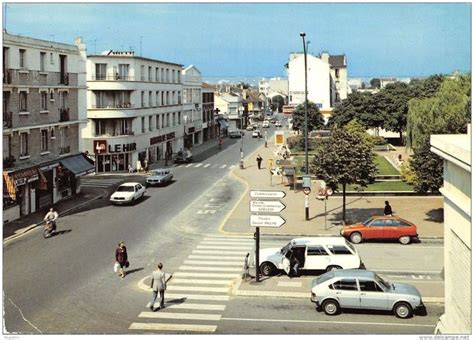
(302, 34)
(241, 163)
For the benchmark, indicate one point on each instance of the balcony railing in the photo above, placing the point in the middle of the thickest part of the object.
(7, 76)
(118, 134)
(113, 106)
(64, 79)
(64, 114)
(64, 149)
(7, 120)
(115, 77)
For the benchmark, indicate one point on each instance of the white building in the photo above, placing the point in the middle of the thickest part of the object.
(456, 152)
(277, 84)
(231, 108)
(192, 106)
(134, 110)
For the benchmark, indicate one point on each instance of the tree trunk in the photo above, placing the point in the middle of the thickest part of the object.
(344, 202)
(401, 137)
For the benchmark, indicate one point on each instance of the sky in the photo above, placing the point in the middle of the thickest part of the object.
(255, 39)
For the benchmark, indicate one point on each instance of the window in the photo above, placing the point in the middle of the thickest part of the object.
(44, 140)
(162, 102)
(377, 223)
(173, 98)
(143, 124)
(167, 97)
(345, 284)
(339, 250)
(172, 75)
(123, 71)
(157, 98)
(44, 101)
(369, 286)
(157, 123)
(316, 250)
(179, 118)
(51, 59)
(149, 73)
(143, 98)
(100, 71)
(51, 95)
(162, 120)
(23, 101)
(179, 97)
(179, 76)
(150, 99)
(167, 119)
(63, 140)
(99, 127)
(63, 99)
(22, 58)
(142, 72)
(162, 75)
(42, 61)
(157, 74)
(23, 144)
(150, 123)
(337, 72)
(174, 118)
(167, 75)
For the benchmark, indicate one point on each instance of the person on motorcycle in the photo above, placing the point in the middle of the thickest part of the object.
(51, 217)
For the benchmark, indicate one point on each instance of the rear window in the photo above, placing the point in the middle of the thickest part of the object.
(324, 277)
(316, 250)
(339, 250)
(126, 188)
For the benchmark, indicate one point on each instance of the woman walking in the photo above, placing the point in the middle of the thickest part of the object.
(121, 257)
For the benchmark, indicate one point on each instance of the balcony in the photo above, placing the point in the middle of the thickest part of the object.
(7, 120)
(114, 106)
(64, 79)
(64, 114)
(115, 77)
(64, 150)
(7, 76)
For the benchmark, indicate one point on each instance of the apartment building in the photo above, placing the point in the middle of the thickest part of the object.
(276, 84)
(231, 111)
(192, 106)
(43, 104)
(210, 127)
(134, 110)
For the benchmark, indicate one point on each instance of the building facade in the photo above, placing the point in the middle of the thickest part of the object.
(277, 84)
(43, 106)
(210, 127)
(456, 153)
(134, 110)
(231, 111)
(192, 106)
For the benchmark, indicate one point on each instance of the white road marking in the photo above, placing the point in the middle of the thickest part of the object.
(210, 257)
(198, 297)
(212, 269)
(226, 242)
(205, 166)
(180, 166)
(181, 316)
(220, 263)
(220, 252)
(207, 275)
(384, 271)
(199, 306)
(227, 238)
(230, 247)
(187, 166)
(214, 166)
(282, 321)
(207, 211)
(172, 327)
(207, 282)
(231, 167)
(198, 165)
(223, 166)
(198, 289)
(289, 284)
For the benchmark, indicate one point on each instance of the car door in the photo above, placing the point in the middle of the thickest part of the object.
(342, 256)
(375, 229)
(317, 258)
(391, 229)
(285, 262)
(372, 296)
(347, 293)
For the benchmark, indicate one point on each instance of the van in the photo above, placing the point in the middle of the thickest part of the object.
(313, 253)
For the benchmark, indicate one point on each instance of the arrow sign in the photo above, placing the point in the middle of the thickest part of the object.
(267, 194)
(266, 206)
(268, 221)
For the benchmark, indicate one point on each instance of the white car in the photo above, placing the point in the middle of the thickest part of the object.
(266, 124)
(256, 134)
(128, 192)
(278, 123)
(313, 253)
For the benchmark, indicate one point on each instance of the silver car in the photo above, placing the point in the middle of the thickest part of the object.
(363, 289)
(159, 176)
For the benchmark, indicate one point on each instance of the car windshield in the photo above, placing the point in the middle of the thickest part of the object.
(158, 173)
(367, 222)
(126, 188)
(285, 249)
(382, 282)
(324, 277)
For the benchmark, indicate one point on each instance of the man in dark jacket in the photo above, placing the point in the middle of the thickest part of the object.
(388, 209)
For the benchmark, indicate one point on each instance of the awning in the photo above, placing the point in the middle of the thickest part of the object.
(78, 165)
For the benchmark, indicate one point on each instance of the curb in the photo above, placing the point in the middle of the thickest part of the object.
(23, 231)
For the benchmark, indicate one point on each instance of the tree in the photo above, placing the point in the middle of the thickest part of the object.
(277, 103)
(360, 106)
(315, 118)
(344, 159)
(428, 168)
(375, 83)
(426, 88)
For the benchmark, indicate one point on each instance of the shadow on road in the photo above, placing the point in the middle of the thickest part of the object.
(134, 270)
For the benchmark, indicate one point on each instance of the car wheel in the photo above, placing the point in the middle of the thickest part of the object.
(404, 239)
(356, 238)
(132, 202)
(267, 269)
(331, 307)
(403, 310)
(331, 268)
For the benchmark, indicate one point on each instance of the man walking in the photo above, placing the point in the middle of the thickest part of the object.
(259, 161)
(158, 285)
(388, 209)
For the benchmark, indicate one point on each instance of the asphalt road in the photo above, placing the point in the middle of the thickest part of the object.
(66, 284)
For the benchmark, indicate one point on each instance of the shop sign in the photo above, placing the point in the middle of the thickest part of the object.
(117, 148)
(22, 176)
(100, 146)
(162, 138)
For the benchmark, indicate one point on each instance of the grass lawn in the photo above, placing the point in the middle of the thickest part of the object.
(384, 166)
(384, 186)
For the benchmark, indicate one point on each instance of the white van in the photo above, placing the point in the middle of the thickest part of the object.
(313, 253)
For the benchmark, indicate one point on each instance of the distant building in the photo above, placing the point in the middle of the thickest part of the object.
(192, 106)
(43, 106)
(456, 153)
(385, 81)
(230, 110)
(134, 110)
(210, 126)
(267, 86)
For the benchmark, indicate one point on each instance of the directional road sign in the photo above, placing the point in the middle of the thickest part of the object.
(267, 194)
(266, 206)
(267, 221)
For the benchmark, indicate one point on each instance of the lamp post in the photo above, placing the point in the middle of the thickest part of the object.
(303, 34)
(241, 163)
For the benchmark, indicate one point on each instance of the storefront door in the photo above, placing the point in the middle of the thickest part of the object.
(113, 163)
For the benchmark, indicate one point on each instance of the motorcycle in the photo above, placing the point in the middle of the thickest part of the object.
(49, 228)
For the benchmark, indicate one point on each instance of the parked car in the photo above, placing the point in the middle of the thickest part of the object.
(278, 123)
(363, 289)
(265, 124)
(313, 253)
(381, 227)
(235, 134)
(159, 176)
(256, 134)
(183, 157)
(273, 121)
(249, 128)
(128, 192)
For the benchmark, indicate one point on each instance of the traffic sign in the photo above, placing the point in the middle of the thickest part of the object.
(267, 194)
(266, 206)
(268, 221)
(306, 190)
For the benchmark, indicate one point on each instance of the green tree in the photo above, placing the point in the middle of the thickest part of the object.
(315, 118)
(360, 106)
(427, 87)
(277, 103)
(428, 168)
(375, 83)
(344, 159)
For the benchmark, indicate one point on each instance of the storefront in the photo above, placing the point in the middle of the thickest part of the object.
(69, 172)
(113, 157)
(160, 144)
(21, 186)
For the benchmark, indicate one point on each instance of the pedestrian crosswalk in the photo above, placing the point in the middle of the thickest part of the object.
(196, 296)
(205, 165)
(99, 182)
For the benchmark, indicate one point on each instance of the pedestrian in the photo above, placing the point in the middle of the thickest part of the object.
(139, 166)
(294, 264)
(388, 209)
(146, 164)
(259, 161)
(121, 257)
(130, 169)
(158, 285)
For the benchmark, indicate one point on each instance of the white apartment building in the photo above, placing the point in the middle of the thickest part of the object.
(277, 84)
(43, 106)
(231, 109)
(192, 106)
(134, 110)
(456, 153)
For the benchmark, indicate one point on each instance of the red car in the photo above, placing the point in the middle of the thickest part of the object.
(381, 227)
